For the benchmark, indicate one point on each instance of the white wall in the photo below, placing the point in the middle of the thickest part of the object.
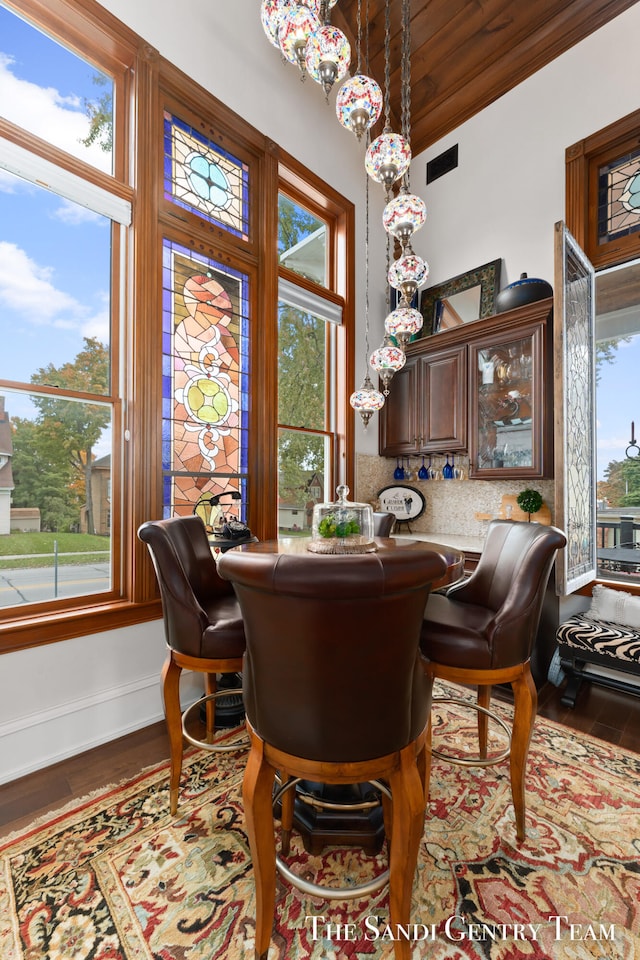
(503, 200)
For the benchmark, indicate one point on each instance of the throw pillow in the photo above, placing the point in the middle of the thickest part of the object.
(615, 606)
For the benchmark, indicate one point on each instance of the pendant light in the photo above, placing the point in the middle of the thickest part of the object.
(406, 212)
(389, 156)
(296, 26)
(403, 215)
(359, 100)
(367, 400)
(403, 323)
(408, 274)
(327, 55)
(401, 218)
(271, 13)
(387, 360)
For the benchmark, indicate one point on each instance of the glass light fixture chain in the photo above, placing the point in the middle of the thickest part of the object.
(387, 64)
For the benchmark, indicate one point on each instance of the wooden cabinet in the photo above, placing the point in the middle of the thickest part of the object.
(426, 410)
(483, 387)
(506, 413)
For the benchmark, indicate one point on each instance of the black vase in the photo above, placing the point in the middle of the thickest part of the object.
(522, 291)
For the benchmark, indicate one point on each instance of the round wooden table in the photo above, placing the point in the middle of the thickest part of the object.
(298, 545)
(346, 815)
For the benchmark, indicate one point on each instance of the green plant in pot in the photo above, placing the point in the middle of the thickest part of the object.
(529, 502)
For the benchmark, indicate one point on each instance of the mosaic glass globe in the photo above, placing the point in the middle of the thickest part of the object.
(408, 274)
(388, 158)
(403, 215)
(403, 323)
(367, 400)
(271, 13)
(386, 361)
(296, 26)
(327, 56)
(359, 103)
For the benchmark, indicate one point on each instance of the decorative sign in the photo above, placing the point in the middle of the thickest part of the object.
(405, 503)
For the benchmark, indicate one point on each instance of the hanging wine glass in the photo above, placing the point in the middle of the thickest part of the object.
(447, 470)
(398, 473)
(423, 473)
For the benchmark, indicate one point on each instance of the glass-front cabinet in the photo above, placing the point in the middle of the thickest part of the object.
(484, 387)
(507, 421)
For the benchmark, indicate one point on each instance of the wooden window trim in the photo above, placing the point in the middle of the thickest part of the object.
(583, 160)
(142, 76)
(313, 193)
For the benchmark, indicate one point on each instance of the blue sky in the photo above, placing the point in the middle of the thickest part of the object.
(618, 403)
(54, 254)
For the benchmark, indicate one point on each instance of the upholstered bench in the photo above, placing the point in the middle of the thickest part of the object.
(602, 644)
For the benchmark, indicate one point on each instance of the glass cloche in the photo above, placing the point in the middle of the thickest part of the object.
(342, 527)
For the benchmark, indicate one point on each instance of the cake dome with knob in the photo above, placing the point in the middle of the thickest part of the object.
(342, 527)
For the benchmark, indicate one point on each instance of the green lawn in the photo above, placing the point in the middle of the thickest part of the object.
(88, 549)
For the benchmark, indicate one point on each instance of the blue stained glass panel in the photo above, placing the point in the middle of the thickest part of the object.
(205, 383)
(204, 178)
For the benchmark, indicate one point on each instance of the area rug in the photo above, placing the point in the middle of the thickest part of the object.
(115, 877)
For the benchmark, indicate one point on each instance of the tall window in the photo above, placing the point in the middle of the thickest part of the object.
(603, 213)
(617, 420)
(309, 335)
(141, 342)
(59, 249)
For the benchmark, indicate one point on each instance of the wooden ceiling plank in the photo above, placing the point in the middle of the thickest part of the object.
(468, 53)
(435, 112)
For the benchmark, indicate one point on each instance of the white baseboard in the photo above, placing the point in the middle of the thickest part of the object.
(41, 738)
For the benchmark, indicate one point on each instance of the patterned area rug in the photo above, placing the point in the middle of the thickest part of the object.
(114, 877)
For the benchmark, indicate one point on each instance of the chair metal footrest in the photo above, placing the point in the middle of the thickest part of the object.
(316, 889)
(311, 801)
(474, 761)
(213, 747)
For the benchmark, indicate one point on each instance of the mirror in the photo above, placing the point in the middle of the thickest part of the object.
(463, 299)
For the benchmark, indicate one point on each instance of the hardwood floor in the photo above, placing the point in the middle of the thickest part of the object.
(607, 714)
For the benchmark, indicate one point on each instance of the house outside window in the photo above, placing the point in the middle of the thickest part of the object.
(148, 332)
(61, 236)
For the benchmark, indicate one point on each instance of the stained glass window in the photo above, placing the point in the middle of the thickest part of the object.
(202, 177)
(205, 380)
(619, 198)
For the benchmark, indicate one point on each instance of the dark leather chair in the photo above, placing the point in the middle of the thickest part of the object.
(202, 623)
(482, 633)
(383, 523)
(329, 637)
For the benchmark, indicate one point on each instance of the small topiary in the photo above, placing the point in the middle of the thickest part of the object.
(529, 501)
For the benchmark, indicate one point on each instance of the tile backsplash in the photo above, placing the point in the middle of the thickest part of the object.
(452, 506)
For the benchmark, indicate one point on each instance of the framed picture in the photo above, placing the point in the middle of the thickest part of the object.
(469, 296)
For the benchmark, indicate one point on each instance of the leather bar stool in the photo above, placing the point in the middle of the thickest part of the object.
(202, 625)
(383, 523)
(334, 693)
(482, 633)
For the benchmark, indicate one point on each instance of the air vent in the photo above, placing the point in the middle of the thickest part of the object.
(443, 164)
